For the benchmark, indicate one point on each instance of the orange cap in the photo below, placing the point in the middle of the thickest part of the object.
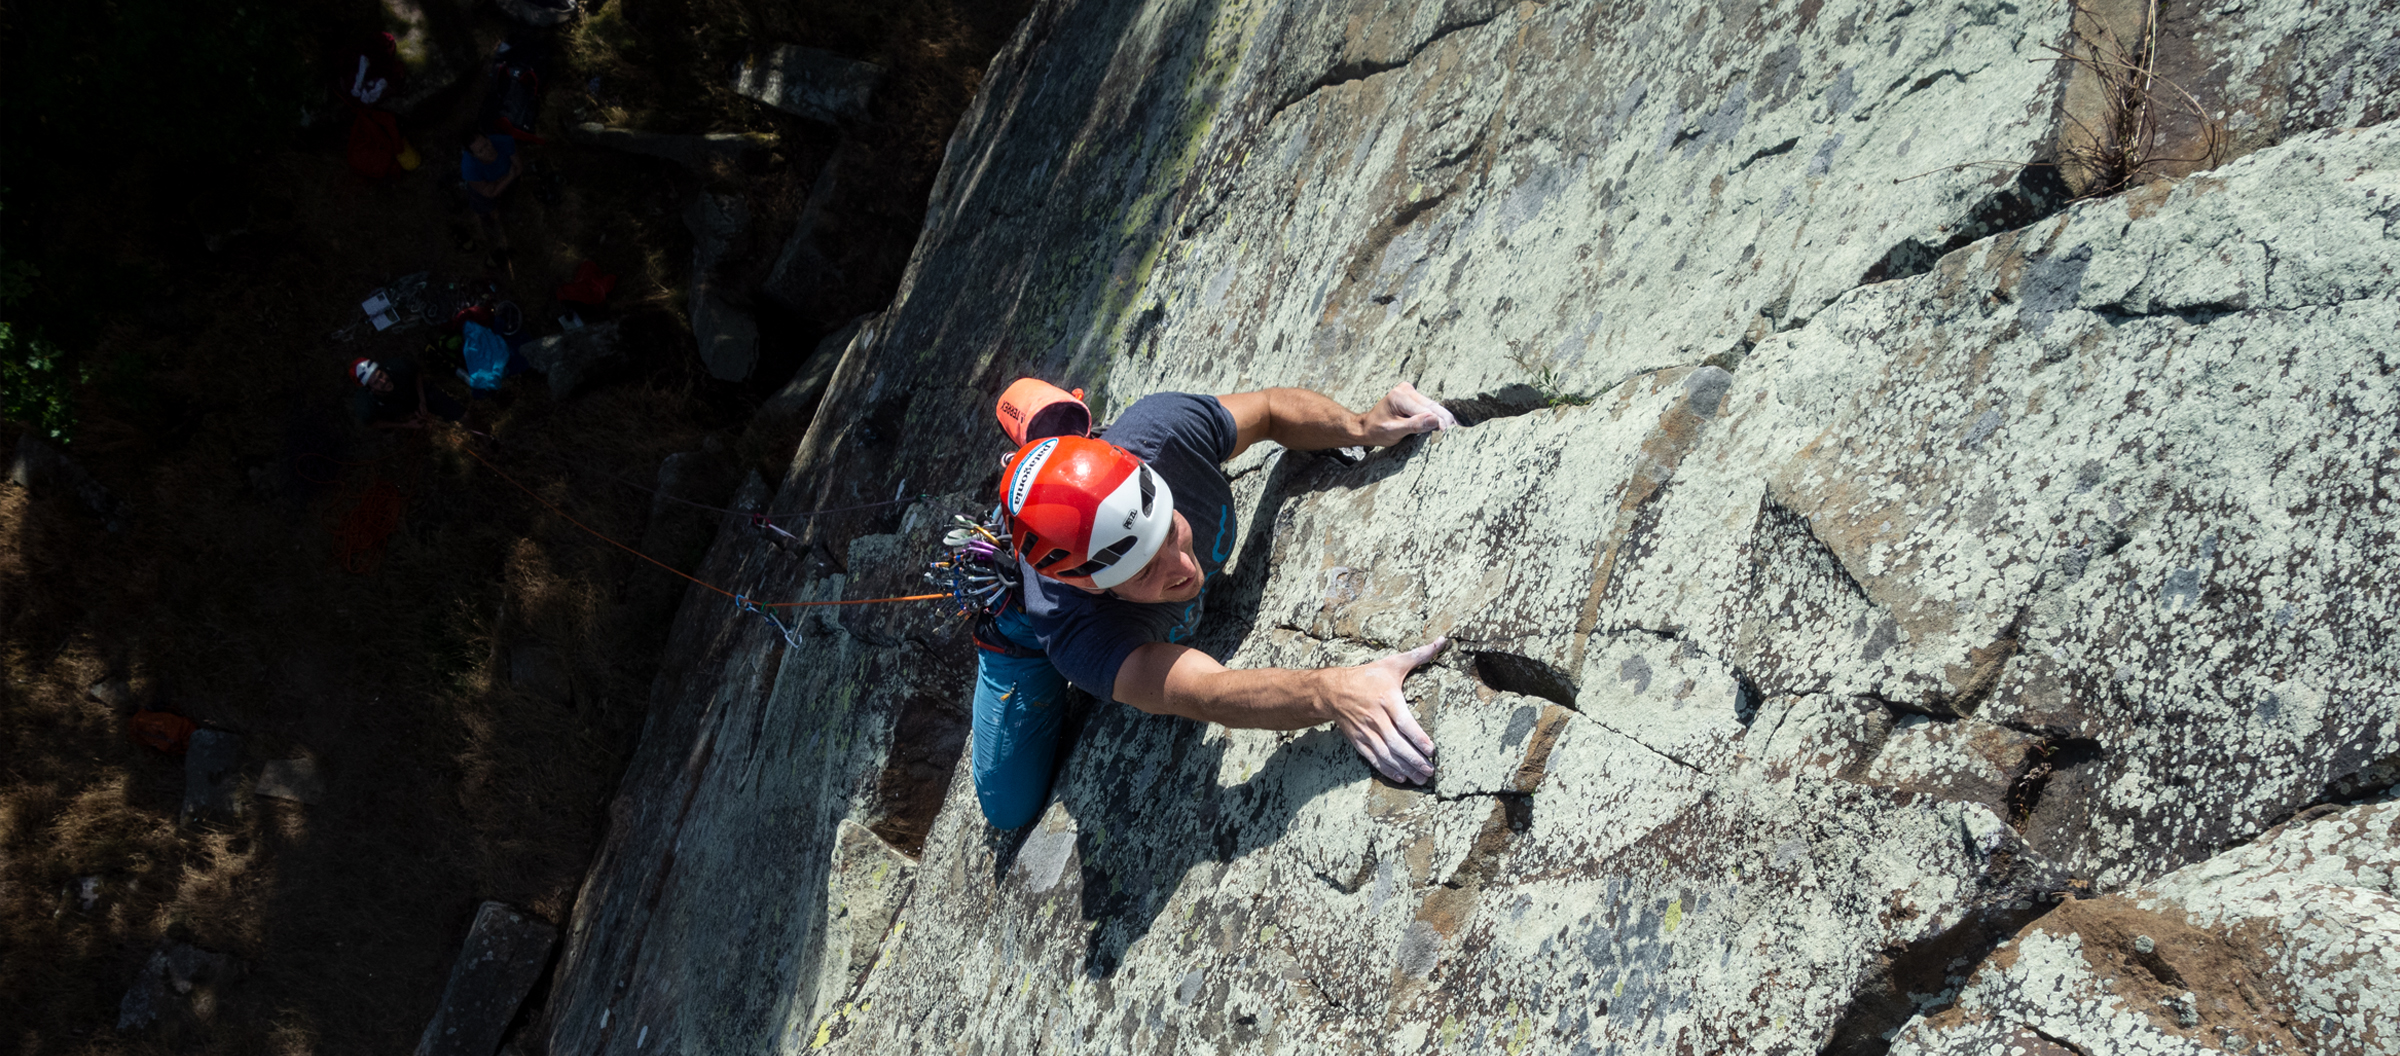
(1033, 409)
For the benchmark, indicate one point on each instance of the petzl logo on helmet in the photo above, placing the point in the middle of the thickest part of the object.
(1027, 468)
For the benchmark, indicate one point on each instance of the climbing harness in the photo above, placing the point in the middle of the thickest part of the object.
(789, 631)
(976, 567)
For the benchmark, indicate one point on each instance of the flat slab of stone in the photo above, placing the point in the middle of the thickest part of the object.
(293, 779)
(503, 957)
(692, 152)
(810, 82)
(209, 773)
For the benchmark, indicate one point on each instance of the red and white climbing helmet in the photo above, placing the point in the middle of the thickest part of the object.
(1084, 512)
(363, 369)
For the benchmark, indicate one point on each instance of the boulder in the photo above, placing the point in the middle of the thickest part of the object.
(179, 985)
(114, 692)
(504, 955)
(809, 82)
(570, 358)
(726, 333)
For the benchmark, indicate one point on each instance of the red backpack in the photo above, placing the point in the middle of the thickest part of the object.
(163, 730)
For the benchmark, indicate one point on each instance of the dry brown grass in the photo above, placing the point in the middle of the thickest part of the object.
(2117, 103)
(447, 785)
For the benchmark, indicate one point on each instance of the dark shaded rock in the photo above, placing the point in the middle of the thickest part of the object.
(810, 82)
(114, 692)
(210, 776)
(538, 12)
(726, 333)
(504, 954)
(179, 982)
(792, 405)
(292, 779)
(701, 153)
(807, 266)
(569, 359)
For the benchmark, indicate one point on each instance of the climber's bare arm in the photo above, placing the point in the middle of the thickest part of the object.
(1365, 702)
(1307, 420)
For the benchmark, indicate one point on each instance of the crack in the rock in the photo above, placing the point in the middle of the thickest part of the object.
(1764, 153)
(1496, 793)
(2063, 1043)
(2049, 757)
(1517, 673)
(1507, 401)
(2037, 193)
(1926, 81)
(1363, 69)
(1646, 746)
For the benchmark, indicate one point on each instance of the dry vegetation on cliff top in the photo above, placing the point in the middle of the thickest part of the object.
(214, 414)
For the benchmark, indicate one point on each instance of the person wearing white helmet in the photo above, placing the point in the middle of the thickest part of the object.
(1117, 538)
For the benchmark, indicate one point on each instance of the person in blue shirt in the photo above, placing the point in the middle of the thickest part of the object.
(489, 165)
(1116, 538)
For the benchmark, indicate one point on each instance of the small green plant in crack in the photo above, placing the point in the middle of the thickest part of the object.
(1547, 382)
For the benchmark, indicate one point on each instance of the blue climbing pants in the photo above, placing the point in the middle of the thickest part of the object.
(1018, 704)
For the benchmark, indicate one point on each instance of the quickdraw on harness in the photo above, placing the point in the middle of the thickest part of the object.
(976, 565)
(789, 631)
(758, 520)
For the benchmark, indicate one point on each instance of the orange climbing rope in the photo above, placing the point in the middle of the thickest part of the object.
(738, 598)
(358, 540)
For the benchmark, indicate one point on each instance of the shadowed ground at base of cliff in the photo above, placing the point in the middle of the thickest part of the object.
(1904, 601)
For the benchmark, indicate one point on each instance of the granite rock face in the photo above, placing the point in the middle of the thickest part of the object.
(1882, 590)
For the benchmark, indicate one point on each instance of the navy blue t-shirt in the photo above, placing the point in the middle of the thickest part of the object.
(1088, 636)
(476, 170)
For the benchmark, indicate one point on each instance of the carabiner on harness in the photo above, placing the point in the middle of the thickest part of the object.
(975, 566)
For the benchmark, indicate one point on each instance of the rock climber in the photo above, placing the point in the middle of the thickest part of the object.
(1115, 540)
(394, 395)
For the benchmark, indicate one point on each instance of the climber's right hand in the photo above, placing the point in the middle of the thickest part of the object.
(1366, 703)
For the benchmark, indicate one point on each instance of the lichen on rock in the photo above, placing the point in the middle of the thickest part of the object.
(1881, 589)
